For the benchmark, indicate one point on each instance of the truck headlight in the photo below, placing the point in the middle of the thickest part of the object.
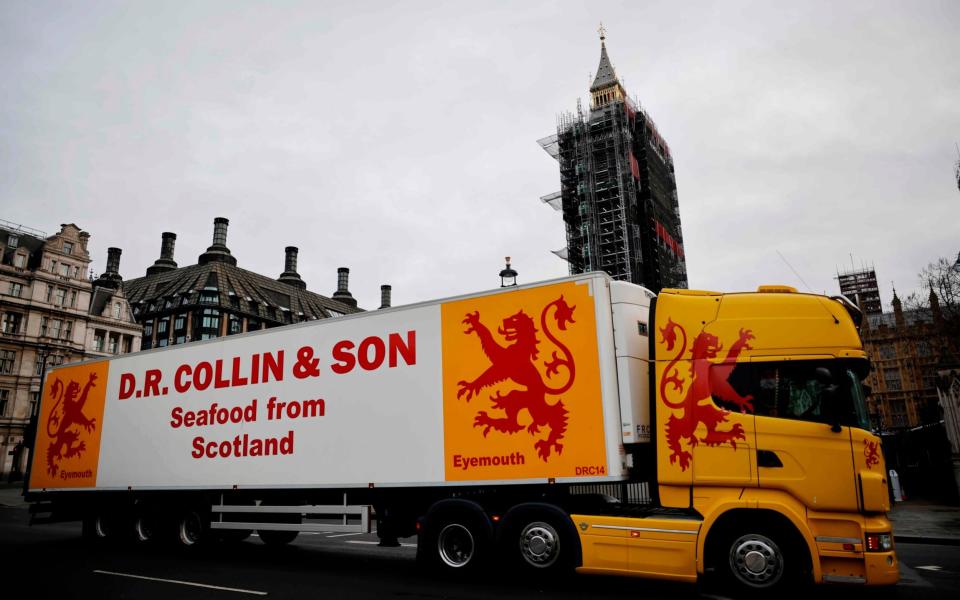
(879, 542)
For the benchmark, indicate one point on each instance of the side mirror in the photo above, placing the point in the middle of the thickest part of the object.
(824, 376)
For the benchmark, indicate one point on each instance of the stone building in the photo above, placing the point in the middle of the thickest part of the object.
(906, 349)
(215, 297)
(52, 314)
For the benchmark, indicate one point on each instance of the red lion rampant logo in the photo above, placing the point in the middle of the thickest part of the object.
(516, 363)
(65, 420)
(704, 383)
(872, 453)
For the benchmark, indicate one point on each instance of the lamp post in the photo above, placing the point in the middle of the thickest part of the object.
(508, 277)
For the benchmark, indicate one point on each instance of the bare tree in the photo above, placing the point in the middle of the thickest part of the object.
(943, 278)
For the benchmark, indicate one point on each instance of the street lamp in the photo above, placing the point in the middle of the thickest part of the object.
(508, 277)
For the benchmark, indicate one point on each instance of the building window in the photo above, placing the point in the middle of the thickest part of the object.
(892, 378)
(67, 248)
(234, 301)
(116, 310)
(127, 344)
(55, 326)
(49, 292)
(73, 299)
(60, 297)
(163, 332)
(16, 289)
(68, 330)
(44, 321)
(147, 341)
(4, 400)
(888, 351)
(34, 402)
(209, 324)
(13, 241)
(253, 325)
(180, 329)
(923, 348)
(209, 297)
(98, 336)
(114, 343)
(11, 322)
(235, 325)
(19, 260)
(7, 358)
(64, 270)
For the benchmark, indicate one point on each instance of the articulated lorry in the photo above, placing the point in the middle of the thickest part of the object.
(582, 423)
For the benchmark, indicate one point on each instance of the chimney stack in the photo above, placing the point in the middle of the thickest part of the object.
(290, 275)
(343, 292)
(385, 296)
(111, 277)
(113, 261)
(165, 262)
(218, 251)
(168, 241)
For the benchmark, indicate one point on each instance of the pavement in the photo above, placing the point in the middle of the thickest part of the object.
(919, 522)
(914, 521)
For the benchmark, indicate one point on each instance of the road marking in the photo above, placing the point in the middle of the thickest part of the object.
(344, 534)
(189, 583)
(930, 567)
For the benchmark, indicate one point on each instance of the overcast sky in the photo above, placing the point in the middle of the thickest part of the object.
(399, 138)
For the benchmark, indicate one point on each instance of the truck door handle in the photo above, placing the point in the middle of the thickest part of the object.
(768, 459)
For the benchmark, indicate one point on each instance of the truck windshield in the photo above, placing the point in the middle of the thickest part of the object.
(794, 390)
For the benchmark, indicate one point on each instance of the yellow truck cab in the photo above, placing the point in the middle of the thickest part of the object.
(766, 470)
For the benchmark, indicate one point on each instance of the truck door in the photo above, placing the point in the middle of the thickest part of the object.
(799, 450)
(871, 470)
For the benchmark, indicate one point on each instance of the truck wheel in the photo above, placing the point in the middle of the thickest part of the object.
(272, 537)
(542, 544)
(144, 528)
(454, 541)
(100, 528)
(757, 561)
(192, 528)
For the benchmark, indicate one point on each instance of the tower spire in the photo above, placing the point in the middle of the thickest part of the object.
(606, 86)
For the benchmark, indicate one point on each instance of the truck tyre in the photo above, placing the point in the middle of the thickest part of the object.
(272, 537)
(541, 542)
(192, 528)
(235, 536)
(759, 559)
(100, 528)
(454, 541)
(145, 527)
